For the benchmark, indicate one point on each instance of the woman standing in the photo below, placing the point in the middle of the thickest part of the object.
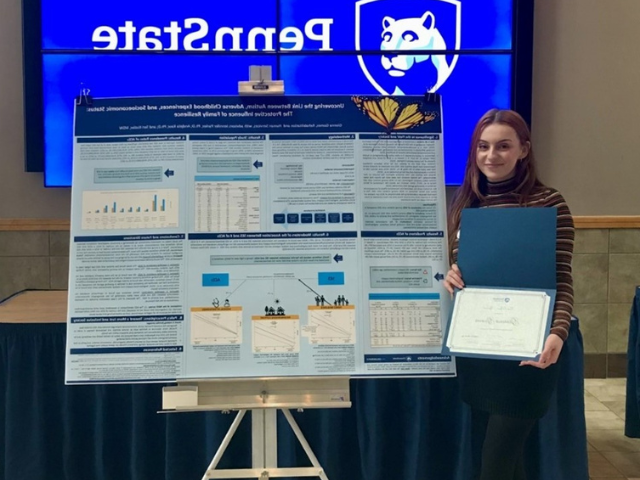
(508, 397)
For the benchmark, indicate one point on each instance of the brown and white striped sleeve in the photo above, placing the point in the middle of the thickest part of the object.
(563, 307)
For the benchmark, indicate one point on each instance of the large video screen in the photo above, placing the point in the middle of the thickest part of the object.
(462, 49)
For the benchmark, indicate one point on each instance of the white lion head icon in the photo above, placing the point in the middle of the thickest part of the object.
(416, 33)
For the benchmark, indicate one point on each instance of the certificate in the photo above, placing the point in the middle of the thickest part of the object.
(499, 323)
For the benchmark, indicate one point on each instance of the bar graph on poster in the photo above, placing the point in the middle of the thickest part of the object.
(127, 209)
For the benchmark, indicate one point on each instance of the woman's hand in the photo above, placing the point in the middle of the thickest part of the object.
(550, 353)
(453, 279)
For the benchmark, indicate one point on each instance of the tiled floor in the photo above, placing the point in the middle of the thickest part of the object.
(611, 454)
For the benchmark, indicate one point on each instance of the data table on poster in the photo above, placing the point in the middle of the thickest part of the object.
(404, 320)
(227, 204)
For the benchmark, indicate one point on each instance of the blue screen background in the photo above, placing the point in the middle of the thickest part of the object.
(487, 23)
(69, 24)
(480, 81)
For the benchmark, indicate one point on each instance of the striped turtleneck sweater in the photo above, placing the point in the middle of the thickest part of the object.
(501, 195)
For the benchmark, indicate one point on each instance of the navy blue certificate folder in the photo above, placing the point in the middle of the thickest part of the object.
(508, 248)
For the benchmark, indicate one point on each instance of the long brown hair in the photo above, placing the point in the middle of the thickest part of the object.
(470, 192)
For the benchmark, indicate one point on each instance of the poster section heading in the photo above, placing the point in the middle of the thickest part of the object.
(242, 115)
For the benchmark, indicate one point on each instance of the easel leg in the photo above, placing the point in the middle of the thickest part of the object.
(264, 447)
(304, 443)
(225, 443)
(264, 438)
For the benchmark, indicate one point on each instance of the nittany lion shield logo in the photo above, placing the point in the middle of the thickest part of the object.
(412, 25)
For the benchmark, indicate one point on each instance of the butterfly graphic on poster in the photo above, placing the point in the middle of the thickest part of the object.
(387, 112)
(390, 115)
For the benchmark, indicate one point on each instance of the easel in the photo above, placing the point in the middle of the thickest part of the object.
(262, 396)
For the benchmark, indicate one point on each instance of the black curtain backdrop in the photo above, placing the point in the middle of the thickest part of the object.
(398, 429)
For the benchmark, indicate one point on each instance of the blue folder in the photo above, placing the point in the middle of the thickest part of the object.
(508, 248)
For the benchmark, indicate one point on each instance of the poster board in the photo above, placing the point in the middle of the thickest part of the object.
(240, 237)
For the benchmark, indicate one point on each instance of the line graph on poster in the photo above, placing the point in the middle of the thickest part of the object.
(216, 326)
(328, 325)
(275, 334)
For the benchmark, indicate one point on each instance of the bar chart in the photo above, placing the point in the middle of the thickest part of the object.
(130, 209)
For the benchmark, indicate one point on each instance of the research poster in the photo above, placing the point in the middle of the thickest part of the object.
(253, 236)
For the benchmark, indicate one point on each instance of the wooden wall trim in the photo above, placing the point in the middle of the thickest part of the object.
(23, 224)
(607, 222)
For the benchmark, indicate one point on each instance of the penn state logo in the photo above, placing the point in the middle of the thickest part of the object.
(415, 26)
